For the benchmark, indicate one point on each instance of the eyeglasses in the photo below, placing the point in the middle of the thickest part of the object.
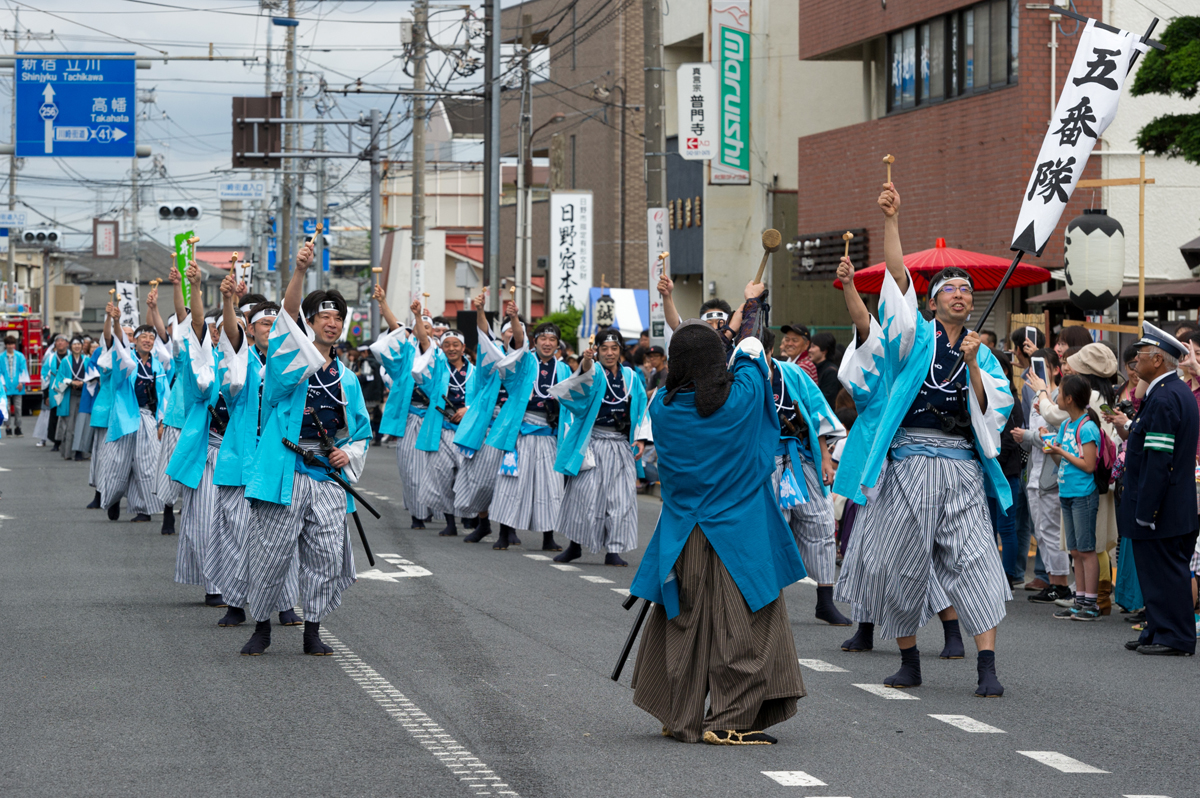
(951, 290)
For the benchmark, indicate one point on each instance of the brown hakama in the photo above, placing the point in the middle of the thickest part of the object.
(743, 662)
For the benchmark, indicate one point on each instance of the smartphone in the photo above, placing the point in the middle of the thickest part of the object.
(1107, 409)
(1031, 335)
(1038, 367)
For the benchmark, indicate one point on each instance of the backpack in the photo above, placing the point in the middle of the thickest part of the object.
(1106, 454)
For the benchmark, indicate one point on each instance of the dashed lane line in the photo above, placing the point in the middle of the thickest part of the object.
(621, 590)
(599, 580)
(541, 557)
(822, 666)
(968, 724)
(563, 566)
(1061, 762)
(883, 691)
(793, 778)
(472, 772)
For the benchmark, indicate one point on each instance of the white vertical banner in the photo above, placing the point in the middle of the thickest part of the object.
(1085, 108)
(658, 241)
(570, 250)
(127, 300)
(417, 286)
(730, 38)
(242, 271)
(696, 99)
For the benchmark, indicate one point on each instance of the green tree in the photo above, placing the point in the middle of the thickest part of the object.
(568, 322)
(1173, 71)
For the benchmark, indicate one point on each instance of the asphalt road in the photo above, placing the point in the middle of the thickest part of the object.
(463, 671)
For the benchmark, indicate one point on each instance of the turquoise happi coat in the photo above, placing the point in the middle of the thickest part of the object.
(581, 395)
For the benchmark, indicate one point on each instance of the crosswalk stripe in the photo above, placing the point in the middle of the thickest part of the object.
(538, 557)
(822, 666)
(620, 590)
(883, 691)
(562, 567)
(1061, 762)
(968, 724)
(793, 778)
(599, 580)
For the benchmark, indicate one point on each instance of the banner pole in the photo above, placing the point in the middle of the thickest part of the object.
(1012, 267)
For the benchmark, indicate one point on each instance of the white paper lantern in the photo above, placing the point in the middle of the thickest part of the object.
(1094, 260)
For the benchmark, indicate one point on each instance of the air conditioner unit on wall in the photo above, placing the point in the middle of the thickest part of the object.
(64, 301)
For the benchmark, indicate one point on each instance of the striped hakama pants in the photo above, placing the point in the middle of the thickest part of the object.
(193, 558)
(476, 482)
(928, 526)
(599, 506)
(441, 470)
(128, 467)
(316, 519)
(83, 434)
(168, 489)
(98, 443)
(743, 662)
(533, 498)
(64, 434)
(228, 554)
(411, 463)
(812, 523)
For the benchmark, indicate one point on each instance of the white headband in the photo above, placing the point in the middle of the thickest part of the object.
(428, 320)
(455, 335)
(933, 289)
(266, 313)
(714, 315)
(326, 305)
(244, 309)
(171, 322)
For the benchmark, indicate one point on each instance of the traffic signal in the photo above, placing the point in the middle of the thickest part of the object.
(42, 237)
(179, 211)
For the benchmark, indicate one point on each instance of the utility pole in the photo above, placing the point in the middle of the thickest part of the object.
(262, 217)
(322, 279)
(419, 33)
(491, 153)
(376, 208)
(524, 176)
(284, 227)
(134, 207)
(656, 140)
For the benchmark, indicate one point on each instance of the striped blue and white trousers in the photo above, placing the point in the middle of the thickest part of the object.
(599, 506)
(98, 435)
(196, 522)
(928, 526)
(168, 489)
(440, 472)
(811, 523)
(475, 483)
(316, 520)
(411, 464)
(533, 498)
(127, 468)
(228, 558)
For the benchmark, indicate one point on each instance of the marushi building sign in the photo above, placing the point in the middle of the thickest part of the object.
(731, 37)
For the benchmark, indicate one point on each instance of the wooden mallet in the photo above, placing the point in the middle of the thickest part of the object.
(377, 270)
(425, 304)
(193, 240)
(846, 236)
(771, 240)
(889, 160)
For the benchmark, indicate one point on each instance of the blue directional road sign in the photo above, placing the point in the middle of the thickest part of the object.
(75, 106)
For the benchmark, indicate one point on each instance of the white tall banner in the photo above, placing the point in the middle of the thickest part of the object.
(659, 242)
(570, 249)
(417, 286)
(127, 300)
(696, 98)
(1085, 108)
(243, 271)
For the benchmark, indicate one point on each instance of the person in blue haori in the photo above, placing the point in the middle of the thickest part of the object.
(406, 406)
(803, 473)
(87, 400)
(131, 443)
(195, 456)
(489, 425)
(172, 350)
(528, 491)
(1158, 506)
(599, 451)
(309, 398)
(721, 553)
(14, 370)
(243, 355)
(67, 384)
(51, 361)
(101, 407)
(927, 462)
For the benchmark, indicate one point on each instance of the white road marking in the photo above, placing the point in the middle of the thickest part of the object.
(562, 567)
(599, 580)
(968, 724)
(620, 590)
(407, 569)
(382, 498)
(5, 469)
(883, 691)
(538, 557)
(822, 665)
(421, 727)
(1145, 796)
(1061, 762)
(808, 580)
(793, 778)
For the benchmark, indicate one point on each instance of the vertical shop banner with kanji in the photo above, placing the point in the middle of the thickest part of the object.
(731, 52)
(243, 271)
(696, 99)
(570, 249)
(1086, 107)
(127, 301)
(185, 251)
(658, 239)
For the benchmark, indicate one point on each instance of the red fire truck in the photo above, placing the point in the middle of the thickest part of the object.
(27, 328)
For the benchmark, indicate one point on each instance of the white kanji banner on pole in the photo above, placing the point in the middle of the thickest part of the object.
(127, 301)
(1087, 105)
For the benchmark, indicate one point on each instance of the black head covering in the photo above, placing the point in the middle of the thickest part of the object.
(697, 358)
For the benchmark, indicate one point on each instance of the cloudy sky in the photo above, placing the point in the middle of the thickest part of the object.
(188, 122)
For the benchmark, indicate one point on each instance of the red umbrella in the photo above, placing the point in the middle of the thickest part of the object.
(986, 270)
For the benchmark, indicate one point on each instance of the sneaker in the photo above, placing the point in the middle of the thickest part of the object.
(1053, 593)
(1066, 601)
(1087, 614)
(1198, 626)
(1069, 613)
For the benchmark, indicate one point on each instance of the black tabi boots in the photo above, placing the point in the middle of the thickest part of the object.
(312, 640)
(827, 611)
(260, 641)
(451, 530)
(168, 527)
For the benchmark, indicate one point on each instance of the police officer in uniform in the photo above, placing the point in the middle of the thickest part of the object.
(1158, 508)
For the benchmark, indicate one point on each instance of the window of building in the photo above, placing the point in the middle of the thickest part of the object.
(966, 52)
